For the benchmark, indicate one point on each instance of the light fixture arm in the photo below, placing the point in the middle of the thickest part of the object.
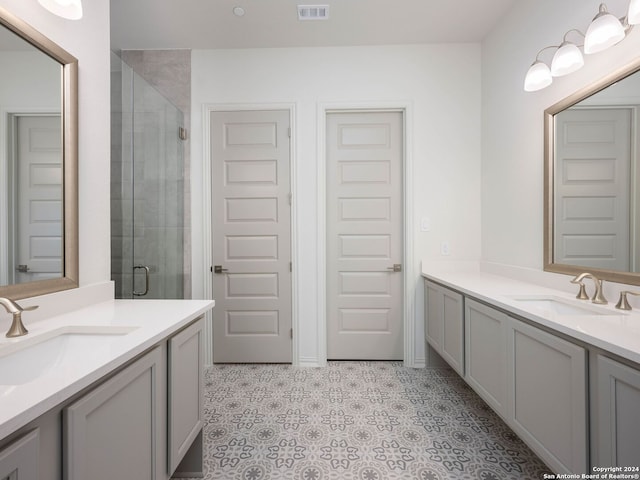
(564, 38)
(542, 50)
(626, 25)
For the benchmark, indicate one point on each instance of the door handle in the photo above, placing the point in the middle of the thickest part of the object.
(22, 268)
(397, 267)
(219, 269)
(146, 280)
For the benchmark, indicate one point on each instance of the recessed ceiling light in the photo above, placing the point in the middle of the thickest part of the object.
(238, 11)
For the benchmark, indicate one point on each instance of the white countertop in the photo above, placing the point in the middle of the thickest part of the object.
(618, 332)
(72, 369)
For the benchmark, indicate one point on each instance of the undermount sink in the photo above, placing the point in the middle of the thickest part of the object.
(24, 361)
(561, 306)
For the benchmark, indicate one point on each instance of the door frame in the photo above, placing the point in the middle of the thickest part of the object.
(408, 281)
(208, 277)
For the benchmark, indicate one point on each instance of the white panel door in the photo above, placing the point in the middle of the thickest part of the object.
(39, 195)
(592, 178)
(251, 236)
(364, 235)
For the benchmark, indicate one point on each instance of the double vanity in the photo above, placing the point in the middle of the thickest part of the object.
(112, 390)
(563, 373)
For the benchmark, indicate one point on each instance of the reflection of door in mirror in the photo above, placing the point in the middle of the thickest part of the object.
(595, 216)
(37, 168)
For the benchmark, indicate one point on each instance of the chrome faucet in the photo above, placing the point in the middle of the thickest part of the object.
(598, 296)
(17, 327)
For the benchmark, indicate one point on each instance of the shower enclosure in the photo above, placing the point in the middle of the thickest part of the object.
(147, 189)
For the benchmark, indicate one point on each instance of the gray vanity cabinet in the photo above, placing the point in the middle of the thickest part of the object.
(185, 394)
(115, 430)
(444, 329)
(549, 396)
(19, 459)
(535, 380)
(486, 354)
(615, 416)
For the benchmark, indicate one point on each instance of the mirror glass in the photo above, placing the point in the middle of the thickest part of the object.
(38, 157)
(592, 171)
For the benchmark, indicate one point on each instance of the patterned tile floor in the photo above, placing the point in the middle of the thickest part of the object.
(355, 420)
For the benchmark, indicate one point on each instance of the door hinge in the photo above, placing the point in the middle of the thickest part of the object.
(290, 198)
(291, 333)
(289, 132)
(182, 133)
(291, 266)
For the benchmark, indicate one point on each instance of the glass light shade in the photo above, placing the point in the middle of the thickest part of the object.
(566, 60)
(538, 77)
(633, 17)
(605, 31)
(69, 9)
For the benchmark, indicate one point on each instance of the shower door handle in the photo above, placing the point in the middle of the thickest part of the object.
(146, 280)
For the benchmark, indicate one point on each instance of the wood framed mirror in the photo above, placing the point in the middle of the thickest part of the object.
(38, 163)
(592, 180)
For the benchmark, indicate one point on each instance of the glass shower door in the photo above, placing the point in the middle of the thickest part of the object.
(147, 190)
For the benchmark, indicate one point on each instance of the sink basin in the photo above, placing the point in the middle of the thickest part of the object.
(561, 306)
(24, 361)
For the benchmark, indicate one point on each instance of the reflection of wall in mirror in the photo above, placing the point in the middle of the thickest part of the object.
(32, 86)
(609, 126)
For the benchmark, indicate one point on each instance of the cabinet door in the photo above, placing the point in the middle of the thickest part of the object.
(112, 431)
(19, 459)
(433, 315)
(444, 324)
(486, 354)
(548, 376)
(185, 391)
(453, 329)
(617, 422)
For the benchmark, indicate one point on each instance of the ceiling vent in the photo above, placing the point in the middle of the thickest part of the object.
(313, 12)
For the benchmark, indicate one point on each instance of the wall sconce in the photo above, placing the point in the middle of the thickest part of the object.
(604, 31)
(69, 9)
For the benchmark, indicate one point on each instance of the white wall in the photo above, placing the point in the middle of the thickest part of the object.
(442, 85)
(88, 40)
(34, 82)
(512, 119)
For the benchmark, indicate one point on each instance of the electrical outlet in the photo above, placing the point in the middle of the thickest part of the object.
(444, 248)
